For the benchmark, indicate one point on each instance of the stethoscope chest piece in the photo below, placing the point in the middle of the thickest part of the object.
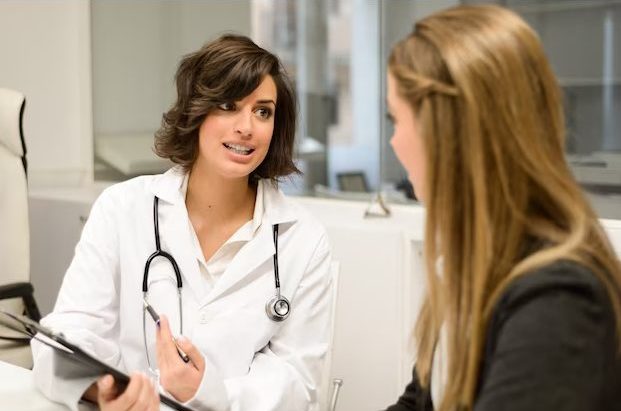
(278, 308)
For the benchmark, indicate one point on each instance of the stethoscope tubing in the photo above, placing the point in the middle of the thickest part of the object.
(271, 307)
(272, 313)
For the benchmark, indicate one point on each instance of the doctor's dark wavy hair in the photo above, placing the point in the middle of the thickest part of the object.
(227, 70)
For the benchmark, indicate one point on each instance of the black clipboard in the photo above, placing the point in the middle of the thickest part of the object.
(85, 363)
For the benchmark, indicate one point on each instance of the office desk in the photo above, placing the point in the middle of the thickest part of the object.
(17, 391)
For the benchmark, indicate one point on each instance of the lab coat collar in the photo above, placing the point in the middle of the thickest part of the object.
(168, 186)
(277, 209)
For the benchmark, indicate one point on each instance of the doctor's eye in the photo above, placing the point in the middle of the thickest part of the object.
(264, 112)
(226, 106)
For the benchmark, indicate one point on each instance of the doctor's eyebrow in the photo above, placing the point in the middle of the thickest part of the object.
(266, 102)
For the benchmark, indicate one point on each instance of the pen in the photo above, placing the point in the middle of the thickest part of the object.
(156, 318)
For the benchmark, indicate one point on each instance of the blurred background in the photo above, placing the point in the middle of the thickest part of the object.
(98, 74)
(112, 82)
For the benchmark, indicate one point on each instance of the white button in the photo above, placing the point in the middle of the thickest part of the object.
(204, 318)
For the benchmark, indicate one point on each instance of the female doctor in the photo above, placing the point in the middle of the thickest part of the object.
(234, 267)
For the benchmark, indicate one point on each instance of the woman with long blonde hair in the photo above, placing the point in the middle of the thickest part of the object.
(523, 306)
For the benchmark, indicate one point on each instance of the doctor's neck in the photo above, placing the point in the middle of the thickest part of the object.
(219, 197)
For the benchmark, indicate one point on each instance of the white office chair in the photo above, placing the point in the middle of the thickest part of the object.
(331, 385)
(16, 292)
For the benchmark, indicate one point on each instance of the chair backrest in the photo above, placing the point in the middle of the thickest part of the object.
(14, 229)
(327, 383)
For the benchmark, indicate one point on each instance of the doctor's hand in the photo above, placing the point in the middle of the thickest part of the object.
(179, 378)
(140, 394)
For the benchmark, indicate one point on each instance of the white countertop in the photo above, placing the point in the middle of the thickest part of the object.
(18, 392)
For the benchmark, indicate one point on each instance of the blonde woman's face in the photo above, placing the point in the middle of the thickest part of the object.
(406, 140)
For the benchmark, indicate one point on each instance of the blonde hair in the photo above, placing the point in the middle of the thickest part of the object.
(501, 200)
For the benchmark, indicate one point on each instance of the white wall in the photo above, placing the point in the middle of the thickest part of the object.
(45, 53)
(45, 49)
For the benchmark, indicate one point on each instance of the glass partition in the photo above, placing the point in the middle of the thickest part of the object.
(582, 40)
(137, 46)
(336, 52)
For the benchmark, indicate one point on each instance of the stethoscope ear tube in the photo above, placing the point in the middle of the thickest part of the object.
(159, 253)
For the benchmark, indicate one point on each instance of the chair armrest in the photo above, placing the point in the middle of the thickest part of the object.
(14, 290)
(25, 291)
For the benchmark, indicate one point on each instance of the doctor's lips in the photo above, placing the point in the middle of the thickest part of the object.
(156, 318)
(238, 148)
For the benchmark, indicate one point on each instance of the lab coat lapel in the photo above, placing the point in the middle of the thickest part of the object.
(276, 210)
(253, 254)
(175, 231)
(182, 248)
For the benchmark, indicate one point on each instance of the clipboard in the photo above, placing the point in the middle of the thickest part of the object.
(83, 363)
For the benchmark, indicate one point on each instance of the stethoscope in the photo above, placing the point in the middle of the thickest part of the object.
(277, 307)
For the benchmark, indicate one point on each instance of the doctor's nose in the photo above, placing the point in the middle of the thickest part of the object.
(243, 125)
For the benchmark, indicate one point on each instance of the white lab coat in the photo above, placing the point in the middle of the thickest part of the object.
(253, 363)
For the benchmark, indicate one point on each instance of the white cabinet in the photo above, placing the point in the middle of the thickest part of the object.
(56, 220)
(380, 286)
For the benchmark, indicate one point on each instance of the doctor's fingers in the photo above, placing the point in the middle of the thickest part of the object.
(168, 357)
(164, 344)
(137, 396)
(106, 389)
(109, 401)
(148, 399)
(145, 398)
(195, 355)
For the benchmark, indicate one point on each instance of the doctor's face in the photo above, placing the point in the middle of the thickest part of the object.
(235, 137)
(406, 140)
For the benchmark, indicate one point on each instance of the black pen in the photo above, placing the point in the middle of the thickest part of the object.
(156, 318)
